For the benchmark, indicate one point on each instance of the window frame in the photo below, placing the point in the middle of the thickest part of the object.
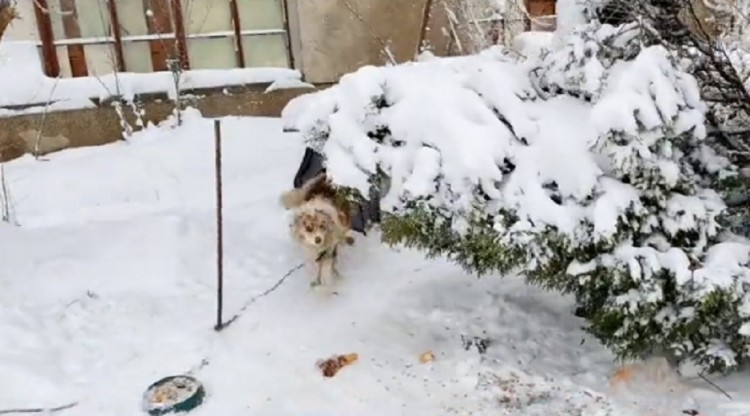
(49, 44)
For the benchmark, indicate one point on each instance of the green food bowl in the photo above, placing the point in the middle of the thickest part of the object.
(173, 394)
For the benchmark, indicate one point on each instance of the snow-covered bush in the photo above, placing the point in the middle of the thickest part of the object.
(733, 112)
(575, 169)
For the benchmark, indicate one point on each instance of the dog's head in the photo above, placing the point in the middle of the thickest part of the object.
(313, 227)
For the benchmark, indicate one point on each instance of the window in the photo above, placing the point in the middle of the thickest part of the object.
(95, 37)
(263, 32)
(542, 14)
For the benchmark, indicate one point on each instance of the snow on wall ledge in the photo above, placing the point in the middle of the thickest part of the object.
(24, 83)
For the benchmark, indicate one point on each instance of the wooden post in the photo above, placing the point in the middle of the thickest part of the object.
(158, 22)
(44, 25)
(237, 27)
(180, 37)
(116, 31)
(76, 53)
(426, 14)
(219, 231)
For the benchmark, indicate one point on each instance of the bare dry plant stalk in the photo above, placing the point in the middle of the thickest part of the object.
(6, 207)
(426, 13)
(475, 25)
(37, 150)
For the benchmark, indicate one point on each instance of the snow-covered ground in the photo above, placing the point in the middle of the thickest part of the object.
(109, 284)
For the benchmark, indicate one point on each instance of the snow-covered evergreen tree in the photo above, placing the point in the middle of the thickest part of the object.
(575, 169)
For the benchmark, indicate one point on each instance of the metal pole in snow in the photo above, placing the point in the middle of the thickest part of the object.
(219, 231)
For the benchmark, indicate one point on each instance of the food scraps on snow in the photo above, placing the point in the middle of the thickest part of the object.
(173, 394)
(332, 365)
(427, 357)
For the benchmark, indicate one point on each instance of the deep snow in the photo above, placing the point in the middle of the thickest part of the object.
(108, 284)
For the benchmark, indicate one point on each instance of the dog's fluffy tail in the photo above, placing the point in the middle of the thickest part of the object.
(294, 198)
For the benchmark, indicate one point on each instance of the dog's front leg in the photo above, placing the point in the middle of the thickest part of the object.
(345, 235)
(317, 281)
(314, 264)
(334, 260)
(326, 269)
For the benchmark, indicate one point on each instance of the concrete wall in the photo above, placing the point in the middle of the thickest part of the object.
(337, 39)
(72, 128)
(338, 36)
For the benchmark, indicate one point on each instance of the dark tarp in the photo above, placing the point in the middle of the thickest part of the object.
(363, 215)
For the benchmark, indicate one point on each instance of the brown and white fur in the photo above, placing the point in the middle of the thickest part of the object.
(320, 224)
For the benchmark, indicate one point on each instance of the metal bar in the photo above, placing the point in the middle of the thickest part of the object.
(219, 230)
(285, 11)
(227, 33)
(163, 36)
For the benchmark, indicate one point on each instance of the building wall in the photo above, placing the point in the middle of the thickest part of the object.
(337, 39)
(328, 38)
(339, 36)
